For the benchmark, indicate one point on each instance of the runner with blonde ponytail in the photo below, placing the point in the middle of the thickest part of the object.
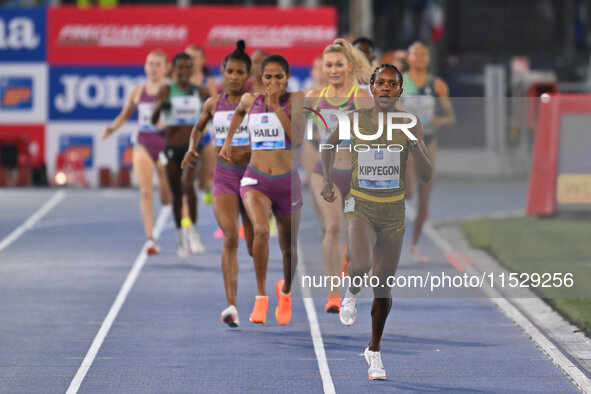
(344, 67)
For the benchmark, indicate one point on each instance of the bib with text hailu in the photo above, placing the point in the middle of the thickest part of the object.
(144, 117)
(185, 110)
(378, 169)
(221, 124)
(266, 131)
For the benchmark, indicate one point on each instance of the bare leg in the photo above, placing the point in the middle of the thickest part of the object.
(143, 167)
(258, 207)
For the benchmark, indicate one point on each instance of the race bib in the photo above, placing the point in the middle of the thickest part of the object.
(221, 124)
(266, 131)
(378, 169)
(185, 110)
(350, 205)
(144, 117)
(423, 107)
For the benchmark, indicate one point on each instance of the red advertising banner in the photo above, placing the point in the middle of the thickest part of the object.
(124, 35)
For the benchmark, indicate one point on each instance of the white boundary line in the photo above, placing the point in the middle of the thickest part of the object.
(327, 383)
(33, 219)
(540, 340)
(116, 307)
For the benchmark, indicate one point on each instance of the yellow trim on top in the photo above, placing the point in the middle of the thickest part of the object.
(369, 197)
(318, 99)
(355, 98)
(344, 102)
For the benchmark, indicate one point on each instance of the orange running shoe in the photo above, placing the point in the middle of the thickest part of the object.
(259, 311)
(346, 262)
(333, 305)
(152, 247)
(283, 311)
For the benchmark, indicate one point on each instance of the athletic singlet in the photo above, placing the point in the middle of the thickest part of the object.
(145, 107)
(378, 173)
(324, 102)
(266, 131)
(182, 107)
(222, 118)
(421, 101)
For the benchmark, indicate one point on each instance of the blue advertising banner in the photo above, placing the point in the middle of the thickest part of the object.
(22, 34)
(91, 93)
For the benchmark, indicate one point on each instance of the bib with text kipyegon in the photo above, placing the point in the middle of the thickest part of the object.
(378, 169)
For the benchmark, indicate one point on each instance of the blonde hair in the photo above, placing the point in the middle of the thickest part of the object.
(361, 67)
(160, 53)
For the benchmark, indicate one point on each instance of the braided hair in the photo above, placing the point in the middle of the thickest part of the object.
(372, 79)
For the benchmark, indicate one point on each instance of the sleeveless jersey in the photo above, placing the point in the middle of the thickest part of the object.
(378, 172)
(421, 101)
(182, 107)
(325, 102)
(266, 131)
(222, 118)
(145, 107)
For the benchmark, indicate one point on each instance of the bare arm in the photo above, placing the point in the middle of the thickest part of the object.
(159, 102)
(205, 93)
(211, 88)
(421, 155)
(449, 117)
(298, 118)
(243, 107)
(126, 112)
(197, 131)
(328, 156)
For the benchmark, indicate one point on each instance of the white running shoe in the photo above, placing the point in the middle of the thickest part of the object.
(376, 368)
(230, 316)
(182, 246)
(195, 244)
(152, 247)
(348, 312)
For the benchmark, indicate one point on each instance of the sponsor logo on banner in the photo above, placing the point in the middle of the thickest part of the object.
(22, 34)
(16, 93)
(125, 149)
(23, 93)
(271, 36)
(91, 92)
(126, 34)
(78, 145)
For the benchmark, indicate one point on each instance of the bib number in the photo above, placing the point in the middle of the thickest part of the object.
(266, 131)
(378, 169)
(350, 205)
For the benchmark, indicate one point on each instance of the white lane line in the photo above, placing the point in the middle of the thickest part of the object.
(116, 307)
(33, 219)
(327, 383)
(539, 339)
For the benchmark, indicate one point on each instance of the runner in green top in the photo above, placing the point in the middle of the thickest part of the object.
(423, 94)
(181, 103)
